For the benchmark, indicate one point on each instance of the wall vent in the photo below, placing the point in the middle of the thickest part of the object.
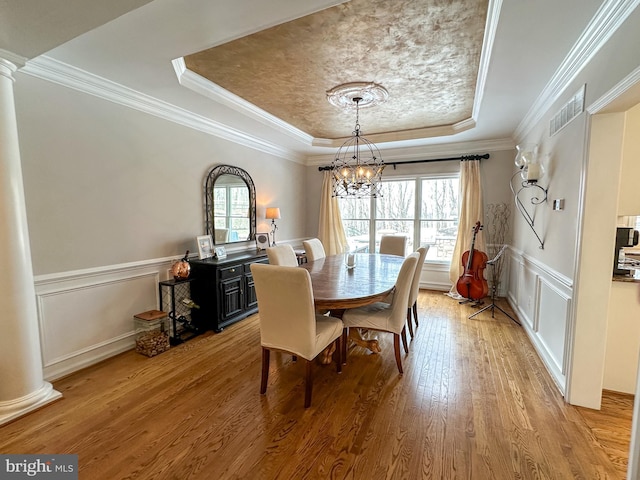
(569, 111)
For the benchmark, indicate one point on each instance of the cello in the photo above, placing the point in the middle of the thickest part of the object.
(472, 284)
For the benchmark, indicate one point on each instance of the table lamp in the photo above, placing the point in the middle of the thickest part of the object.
(273, 213)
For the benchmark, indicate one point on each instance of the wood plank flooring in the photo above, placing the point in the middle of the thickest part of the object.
(611, 426)
(475, 402)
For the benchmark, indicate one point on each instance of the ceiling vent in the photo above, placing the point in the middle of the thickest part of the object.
(570, 110)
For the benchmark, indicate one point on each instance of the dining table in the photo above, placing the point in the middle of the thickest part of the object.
(338, 287)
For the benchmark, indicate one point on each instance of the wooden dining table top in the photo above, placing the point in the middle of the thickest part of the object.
(336, 287)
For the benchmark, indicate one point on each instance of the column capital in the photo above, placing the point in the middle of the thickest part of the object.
(10, 62)
(7, 69)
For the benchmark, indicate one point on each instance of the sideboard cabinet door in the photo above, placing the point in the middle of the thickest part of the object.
(224, 290)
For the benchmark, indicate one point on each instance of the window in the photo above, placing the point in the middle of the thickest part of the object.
(424, 208)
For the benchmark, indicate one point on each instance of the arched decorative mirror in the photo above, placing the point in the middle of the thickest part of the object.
(230, 205)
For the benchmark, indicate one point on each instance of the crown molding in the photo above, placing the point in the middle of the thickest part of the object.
(606, 21)
(49, 69)
(207, 88)
(402, 135)
(618, 90)
(493, 15)
(428, 151)
(14, 58)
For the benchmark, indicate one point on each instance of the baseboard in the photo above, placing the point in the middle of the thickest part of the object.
(91, 356)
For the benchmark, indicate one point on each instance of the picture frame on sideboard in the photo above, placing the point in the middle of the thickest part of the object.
(220, 252)
(262, 240)
(205, 246)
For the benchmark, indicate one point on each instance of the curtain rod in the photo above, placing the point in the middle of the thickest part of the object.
(462, 158)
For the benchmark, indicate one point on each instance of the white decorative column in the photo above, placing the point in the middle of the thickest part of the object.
(22, 387)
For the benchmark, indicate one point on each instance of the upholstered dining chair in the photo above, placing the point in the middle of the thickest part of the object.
(415, 289)
(393, 244)
(313, 249)
(386, 317)
(288, 321)
(283, 255)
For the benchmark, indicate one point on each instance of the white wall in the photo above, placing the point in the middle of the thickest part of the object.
(623, 329)
(623, 338)
(106, 184)
(113, 196)
(629, 198)
(578, 252)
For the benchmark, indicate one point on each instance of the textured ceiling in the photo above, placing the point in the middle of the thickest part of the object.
(426, 53)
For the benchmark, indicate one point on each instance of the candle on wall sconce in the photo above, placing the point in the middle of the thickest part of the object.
(526, 160)
(533, 172)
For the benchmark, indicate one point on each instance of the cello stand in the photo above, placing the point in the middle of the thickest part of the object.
(493, 304)
(476, 303)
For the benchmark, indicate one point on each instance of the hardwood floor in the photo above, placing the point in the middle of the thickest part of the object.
(475, 402)
(611, 426)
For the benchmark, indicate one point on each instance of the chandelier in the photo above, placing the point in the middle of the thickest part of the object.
(357, 168)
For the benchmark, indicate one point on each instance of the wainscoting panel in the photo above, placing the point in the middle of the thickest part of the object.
(553, 322)
(527, 294)
(542, 300)
(87, 316)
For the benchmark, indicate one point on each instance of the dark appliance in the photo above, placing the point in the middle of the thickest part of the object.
(625, 237)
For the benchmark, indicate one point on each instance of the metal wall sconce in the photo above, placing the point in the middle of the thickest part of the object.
(531, 170)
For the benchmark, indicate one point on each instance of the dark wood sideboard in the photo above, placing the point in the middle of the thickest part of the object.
(223, 288)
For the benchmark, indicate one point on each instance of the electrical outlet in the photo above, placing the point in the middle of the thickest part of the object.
(558, 204)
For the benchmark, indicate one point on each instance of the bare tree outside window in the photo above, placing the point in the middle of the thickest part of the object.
(425, 209)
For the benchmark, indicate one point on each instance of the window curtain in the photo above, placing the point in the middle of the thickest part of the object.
(330, 228)
(471, 211)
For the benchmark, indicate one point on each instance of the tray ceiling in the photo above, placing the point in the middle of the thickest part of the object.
(426, 53)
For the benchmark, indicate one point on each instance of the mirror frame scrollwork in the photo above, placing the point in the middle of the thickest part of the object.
(212, 176)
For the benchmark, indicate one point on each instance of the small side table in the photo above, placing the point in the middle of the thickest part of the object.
(172, 293)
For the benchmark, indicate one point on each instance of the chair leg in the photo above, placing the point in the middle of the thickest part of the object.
(404, 340)
(409, 322)
(308, 384)
(338, 353)
(415, 312)
(345, 342)
(396, 348)
(265, 369)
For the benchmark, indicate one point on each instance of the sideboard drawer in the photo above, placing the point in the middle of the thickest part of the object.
(230, 272)
(247, 266)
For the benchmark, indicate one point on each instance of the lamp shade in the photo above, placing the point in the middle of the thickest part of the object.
(272, 213)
